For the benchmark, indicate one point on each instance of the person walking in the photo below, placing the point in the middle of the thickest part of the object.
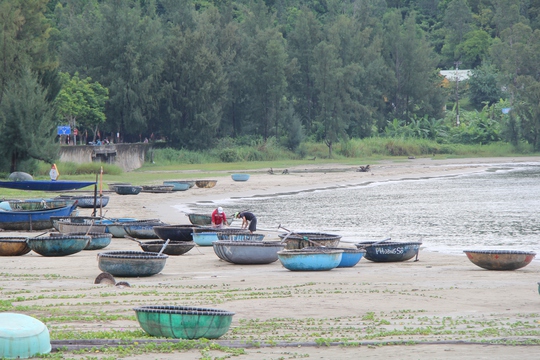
(249, 220)
(54, 173)
(219, 219)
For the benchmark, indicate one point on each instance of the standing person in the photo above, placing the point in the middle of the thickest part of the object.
(248, 218)
(219, 219)
(54, 173)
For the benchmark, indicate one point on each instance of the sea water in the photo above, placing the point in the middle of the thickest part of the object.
(495, 209)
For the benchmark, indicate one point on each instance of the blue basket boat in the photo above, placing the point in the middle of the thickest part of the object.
(178, 185)
(310, 259)
(350, 257)
(58, 244)
(182, 322)
(205, 238)
(131, 263)
(240, 177)
(389, 251)
(127, 189)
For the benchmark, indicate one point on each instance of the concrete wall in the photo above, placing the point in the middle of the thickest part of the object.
(126, 156)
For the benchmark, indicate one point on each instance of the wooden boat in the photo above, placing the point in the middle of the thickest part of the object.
(173, 247)
(46, 185)
(127, 189)
(87, 201)
(205, 183)
(29, 216)
(204, 219)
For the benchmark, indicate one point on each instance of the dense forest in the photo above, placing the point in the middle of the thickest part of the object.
(199, 74)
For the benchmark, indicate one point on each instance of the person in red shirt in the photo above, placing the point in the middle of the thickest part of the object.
(219, 219)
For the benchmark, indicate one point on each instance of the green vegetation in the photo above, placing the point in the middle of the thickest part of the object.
(254, 81)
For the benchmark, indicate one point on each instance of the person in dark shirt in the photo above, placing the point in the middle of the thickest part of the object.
(249, 220)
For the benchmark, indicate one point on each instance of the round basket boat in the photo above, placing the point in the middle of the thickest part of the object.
(127, 189)
(172, 248)
(70, 228)
(350, 257)
(175, 232)
(22, 336)
(177, 185)
(112, 186)
(58, 244)
(247, 252)
(389, 251)
(142, 230)
(131, 263)
(240, 177)
(204, 238)
(184, 322)
(500, 259)
(74, 220)
(310, 259)
(13, 246)
(97, 240)
(302, 240)
(206, 184)
(240, 237)
(222, 231)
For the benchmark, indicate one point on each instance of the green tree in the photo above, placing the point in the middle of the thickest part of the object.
(24, 34)
(82, 101)
(194, 90)
(484, 86)
(333, 83)
(120, 45)
(457, 22)
(414, 85)
(27, 126)
(306, 34)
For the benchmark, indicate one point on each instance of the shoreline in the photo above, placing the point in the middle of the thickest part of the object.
(314, 177)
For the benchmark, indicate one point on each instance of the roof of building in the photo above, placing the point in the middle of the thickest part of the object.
(453, 75)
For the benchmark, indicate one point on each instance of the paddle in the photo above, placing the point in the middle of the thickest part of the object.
(305, 238)
(164, 246)
(133, 239)
(375, 243)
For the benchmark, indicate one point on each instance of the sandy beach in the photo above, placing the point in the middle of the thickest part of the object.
(440, 307)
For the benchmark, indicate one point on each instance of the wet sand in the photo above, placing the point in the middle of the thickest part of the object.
(442, 301)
